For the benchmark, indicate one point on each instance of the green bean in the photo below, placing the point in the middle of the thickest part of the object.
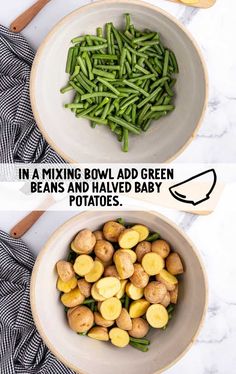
(160, 108)
(104, 57)
(84, 84)
(132, 85)
(143, 112)
(159, 82)
(86, 111)
(121, 221)
(168, 89)
(69, 60)
(78, 39)
(166, 63)
(76, 72)
(82, 65)
(152, 95)
(125, 146)
(174, 62)
(125, 124)
(97, 94)
(89, 65)
(88, 301)
(118, 38)
(108, 67)
(101, 105)
(135, 52)
(141, 78)
(122, 61)
(66, 88)
(98, 120)
(139, 340)
(93, 47)
(74, 106)
(144, 37)
(129, 102)
(109, 85)
(105, 110)
(153, 237)
(103, 73)
(89, 82)
(127, 301)
(99, 32)
(140, 347)
(140, 68)
(133, 115)
(108, 34)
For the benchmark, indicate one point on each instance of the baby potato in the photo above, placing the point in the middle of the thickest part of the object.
(104, 250)
(111, 271)
(105, 263)
(169, 280)
(166, 301)
(112, 231)
(139, 278)
(142, 230)
(133, 292)
(155, 292)
(65, 270)
(119, 337)
(131, 253)
(138, 308)
(124, 321)
(95, 294)
(140, 328)
(80, 319)
(110, 309)
(174, 264)
(84, 287)
(99, 333)
(108, 286)
(161, 247)
(66, 286)
(83, 265)
(128, 238)
(141, 249)
(100, 321)
(72, 298)
(98, 235)
(157, 316)
(95, 273)
(152, 263)
(123, 264)
(84, 242)
(121, 292)
(174, 295)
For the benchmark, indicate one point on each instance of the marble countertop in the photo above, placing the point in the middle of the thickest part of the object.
(213, 29)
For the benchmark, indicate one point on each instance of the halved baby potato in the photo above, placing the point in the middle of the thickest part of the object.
(142, 230)
(95, 273)
(119, 337)
(141, 249)
(174, 295)
(95, 294)
(65, 270)
(130, 252)
(174, 264)
(128, 238)
(84, 287)
(66, 286)
(108, 286)
(99, 333)
(139, 278)
(133, 292)
(124, 321)
(155, 292)
(123, 263)
(111, 271)
(138, 308)
(121, 292)
(169, 280)
(83, 265)
(112, 231)
(100, 321)
(152, 263)
(157, 316)
(72, 298)
(110, 309)
(84, 242)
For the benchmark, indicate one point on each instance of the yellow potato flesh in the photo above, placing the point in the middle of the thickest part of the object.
(138, 308)
(72, 298)
(128, 238)
(95, 294)
(168, 279)
(157, 316)
(119, 337)
(121, 292)
(95, 273)
(110, 309)
(99, 333)
(83, 265)
(142, 230)
(108, 286)
(132, 254)
(152, 263)
(66, 286)
(123, 264)
(133, 292)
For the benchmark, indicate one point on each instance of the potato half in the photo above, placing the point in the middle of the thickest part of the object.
(112, 231)
(142, 230)
(123, 263)
(95, 273)
(119, 337)
(83, 265)
(139, 278)
(72, 298)
(138, 308)
(174, 264)
(99, 333)
(84, 287)
(128, 238)
(100, 321)
(110, 309)
(65, 270)
(133, 292)
(124, 321)
(141, 249)
(108, 286)
(169, 280)
(84, 242)
(161, 247)
(104, 250)
(155, 292)
(157, 316)
(152, 263)
(66, 286)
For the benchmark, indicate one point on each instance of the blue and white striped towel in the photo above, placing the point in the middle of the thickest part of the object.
(20, 139)
(21, 348)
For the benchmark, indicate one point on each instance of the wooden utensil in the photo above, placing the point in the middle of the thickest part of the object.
(198, 3)
(29, 220)
(25, 18)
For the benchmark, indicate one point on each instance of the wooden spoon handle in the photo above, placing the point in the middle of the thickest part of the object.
(24, 19)
(27, 222)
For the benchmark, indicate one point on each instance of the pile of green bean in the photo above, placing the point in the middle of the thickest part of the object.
(123, 79)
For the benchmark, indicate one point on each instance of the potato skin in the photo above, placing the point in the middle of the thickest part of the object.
(99, 333)
(104, 250)
(174, 295)
(124, 321)
(84, 242)
(100, 321)
(166, 301)
(155, 292)
(111, 271)
(140, 328)
(123, 263)
(112, 231)
(80, 319)
(65, 270)
(162, 278)
(98, 235)
(174, 264)
(84, 287)
(139, 278)
(161, 247)
(141, 249)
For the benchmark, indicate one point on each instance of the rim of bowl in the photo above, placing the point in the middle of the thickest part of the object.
(44, 250)
(84, 9)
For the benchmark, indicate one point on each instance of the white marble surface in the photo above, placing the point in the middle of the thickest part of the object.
(214, 29)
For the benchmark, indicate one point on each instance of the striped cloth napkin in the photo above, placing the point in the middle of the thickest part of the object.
(21, 348)
(20, 139)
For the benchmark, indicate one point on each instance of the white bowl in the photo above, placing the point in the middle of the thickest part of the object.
(85, 355)
(73, 138)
